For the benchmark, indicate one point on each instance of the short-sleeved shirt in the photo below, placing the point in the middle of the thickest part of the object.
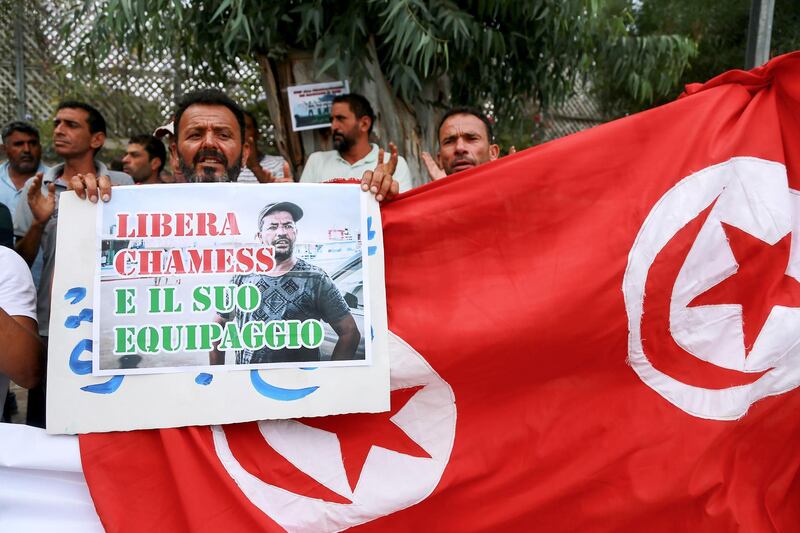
(17, 297)
(304, 292)
(326, 166)
(9, 194)
(270, 163)
(23, 219)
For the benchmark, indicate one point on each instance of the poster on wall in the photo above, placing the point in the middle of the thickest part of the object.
(311, 104)
(251, 294)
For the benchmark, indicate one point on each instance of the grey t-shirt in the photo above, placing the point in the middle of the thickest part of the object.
(23, 219)
(304, 292)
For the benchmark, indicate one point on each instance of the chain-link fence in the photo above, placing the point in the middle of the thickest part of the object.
(134, 97)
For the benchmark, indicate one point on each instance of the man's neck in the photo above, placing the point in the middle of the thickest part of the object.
(152, 180)
(19, 178)
(357, 152)
(83, 164)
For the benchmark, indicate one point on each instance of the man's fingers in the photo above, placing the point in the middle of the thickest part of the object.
(383, 186)
(287, 172)
(366, 180)
(381, 153)
(392, 159)
(394, 190)
(90, 182)
(512, 150)
(36, 186)
(105, 188)
(77, 185)
(51, 189)
(434, 171)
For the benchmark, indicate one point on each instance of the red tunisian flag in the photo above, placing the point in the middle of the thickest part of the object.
(598, 334)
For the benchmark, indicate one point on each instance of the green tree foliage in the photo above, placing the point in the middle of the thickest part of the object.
(508, 52)
(717, 30)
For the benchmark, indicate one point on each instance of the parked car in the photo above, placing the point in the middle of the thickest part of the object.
(350, 282)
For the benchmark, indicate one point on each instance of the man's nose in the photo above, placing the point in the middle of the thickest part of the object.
(461, 146)
(210, 139)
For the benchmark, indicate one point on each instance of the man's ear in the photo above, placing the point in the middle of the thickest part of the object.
(245, 152)
(364, 123)
(155, 163)
(494, 152)
(98, 140)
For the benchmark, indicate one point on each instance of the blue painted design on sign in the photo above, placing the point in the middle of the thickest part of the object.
(371, 333)
(370, 231)
(371, 250)
(106, 387)
(76, 294)
(72, 322)
(278, 393)
(308, 368)
(79, 366)
(203, 378)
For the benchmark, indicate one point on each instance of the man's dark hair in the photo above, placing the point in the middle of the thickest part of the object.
(97, 124)
(18, 126)
(208, 97)
(153, 146)
(468, 111)
(359, 105)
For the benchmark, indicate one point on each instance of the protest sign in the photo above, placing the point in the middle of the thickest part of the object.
(311, 104)
(217, 295)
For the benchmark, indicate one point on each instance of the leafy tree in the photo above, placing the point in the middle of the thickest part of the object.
(411, 58)
(719, 32)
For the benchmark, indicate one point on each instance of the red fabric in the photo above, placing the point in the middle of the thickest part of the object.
(507, 279)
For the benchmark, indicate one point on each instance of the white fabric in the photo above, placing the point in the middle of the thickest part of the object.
(17, 296)
(17, 293)
(324, 166)
(42, 487)
(753, 195)
(270, 163)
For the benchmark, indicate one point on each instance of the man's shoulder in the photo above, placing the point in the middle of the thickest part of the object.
(323, 154)
(119, 178)
(306, 267)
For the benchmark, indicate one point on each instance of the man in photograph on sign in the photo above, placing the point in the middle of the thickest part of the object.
(294, 290)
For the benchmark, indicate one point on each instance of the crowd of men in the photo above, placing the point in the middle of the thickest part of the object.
(211, 139)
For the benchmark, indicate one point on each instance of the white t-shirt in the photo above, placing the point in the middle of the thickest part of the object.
(17, 296)
(272, 163)
(325, 166)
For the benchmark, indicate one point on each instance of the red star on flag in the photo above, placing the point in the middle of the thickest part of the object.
(359, 432)
(758, 285)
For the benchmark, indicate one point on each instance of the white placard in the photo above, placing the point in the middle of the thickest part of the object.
(310, 105)
(191, 392)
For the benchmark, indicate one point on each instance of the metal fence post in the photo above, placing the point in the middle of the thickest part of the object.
(759, 33)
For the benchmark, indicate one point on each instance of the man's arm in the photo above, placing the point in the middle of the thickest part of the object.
(21, 358)
(349, 338)
(217, 356)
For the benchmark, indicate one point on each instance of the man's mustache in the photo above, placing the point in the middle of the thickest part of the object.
(210, 152)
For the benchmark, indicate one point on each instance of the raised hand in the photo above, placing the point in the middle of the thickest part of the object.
(434, 170)
(380, 182)
(42, 207)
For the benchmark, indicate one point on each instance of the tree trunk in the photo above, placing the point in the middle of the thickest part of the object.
(411, 127)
